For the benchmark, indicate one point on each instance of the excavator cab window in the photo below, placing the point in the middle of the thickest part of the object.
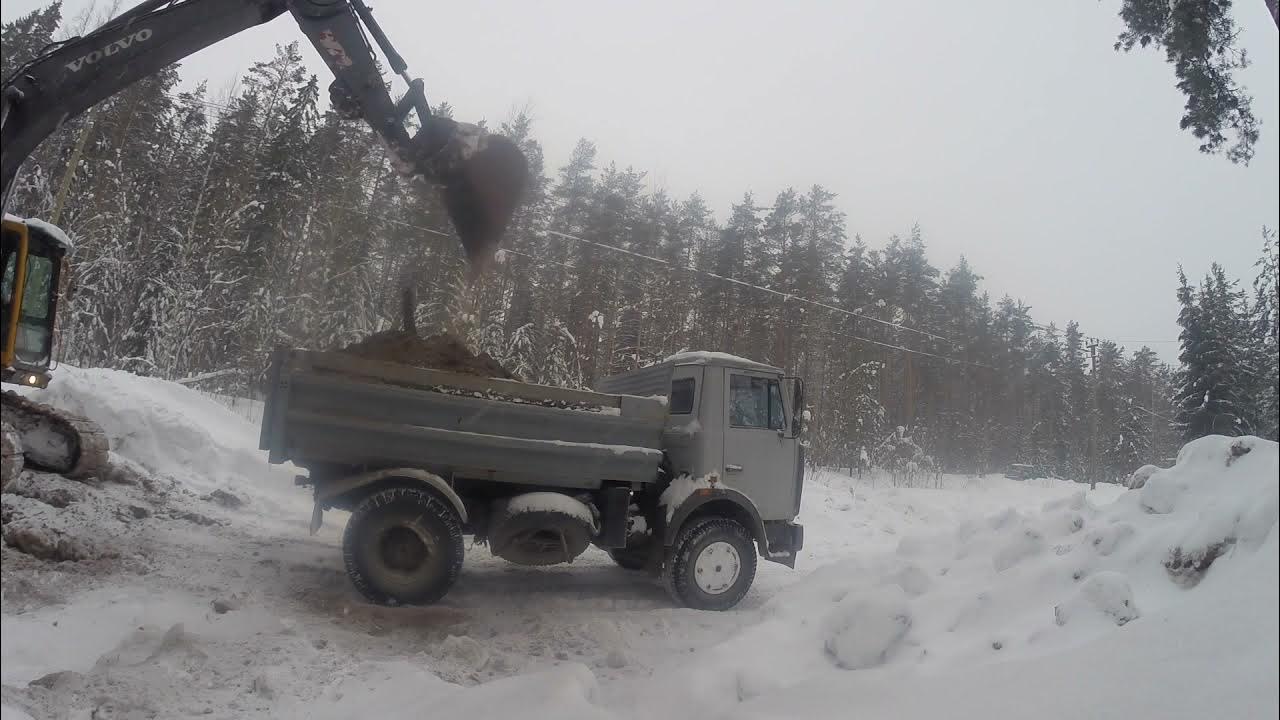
(29, 292)
(35, 324)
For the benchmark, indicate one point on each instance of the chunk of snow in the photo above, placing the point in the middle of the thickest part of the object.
(679, 490)
(53, 231)
(693, 427)
(1022, 545)
(551, 502)
(1141, 475)
(1107, 594)
(702, 357)
(864, 628)
(615, 449)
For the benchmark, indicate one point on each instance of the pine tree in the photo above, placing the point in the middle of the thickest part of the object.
(205, 240)
(1265, 320)
(1049, 431)
(22, 40)
(1137, 421)
(1215, 381)
(1081, 426)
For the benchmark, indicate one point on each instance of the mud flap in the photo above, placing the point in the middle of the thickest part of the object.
(785, 541)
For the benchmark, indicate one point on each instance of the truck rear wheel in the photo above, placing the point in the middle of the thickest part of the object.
(403, 546)
(712, 564)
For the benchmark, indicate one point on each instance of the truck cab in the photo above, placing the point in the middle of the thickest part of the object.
(732, 438)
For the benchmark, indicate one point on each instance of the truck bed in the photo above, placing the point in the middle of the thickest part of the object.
(333, 409)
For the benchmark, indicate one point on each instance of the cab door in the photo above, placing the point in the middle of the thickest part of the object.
(759, 452)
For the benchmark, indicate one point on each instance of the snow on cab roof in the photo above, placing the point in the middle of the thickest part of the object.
(53, 232)
(703, 357)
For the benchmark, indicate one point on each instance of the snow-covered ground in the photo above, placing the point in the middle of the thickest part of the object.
(200, 593)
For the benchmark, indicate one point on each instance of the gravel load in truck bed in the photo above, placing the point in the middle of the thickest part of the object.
(437, 352)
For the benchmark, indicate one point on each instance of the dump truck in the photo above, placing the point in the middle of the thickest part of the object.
(689, 470)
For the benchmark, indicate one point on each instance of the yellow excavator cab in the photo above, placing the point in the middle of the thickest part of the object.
(33, 435)
(33, 253)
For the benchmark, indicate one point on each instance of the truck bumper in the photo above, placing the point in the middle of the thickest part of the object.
(785, 541)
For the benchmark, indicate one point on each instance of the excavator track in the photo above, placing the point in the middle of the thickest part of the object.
(53, 440)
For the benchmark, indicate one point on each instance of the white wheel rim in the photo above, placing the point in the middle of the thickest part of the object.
(717, 568)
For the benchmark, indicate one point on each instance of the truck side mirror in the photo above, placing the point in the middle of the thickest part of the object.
(797, 404)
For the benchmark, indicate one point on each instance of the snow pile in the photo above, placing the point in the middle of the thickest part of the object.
(1139, 476)
(174, 431)
(864, 628)
(53, 518)
(399, 690)
(1067, 580)
(1238, 506)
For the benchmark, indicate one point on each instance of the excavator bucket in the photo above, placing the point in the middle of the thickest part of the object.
(483, 195)
(482, 177)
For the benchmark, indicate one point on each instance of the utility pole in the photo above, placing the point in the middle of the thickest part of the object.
(1151, 453)
(1093, 415)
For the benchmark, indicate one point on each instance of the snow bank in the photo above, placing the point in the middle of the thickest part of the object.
(399, 690)
(1033, 586)
(9, 712)
(172, 430)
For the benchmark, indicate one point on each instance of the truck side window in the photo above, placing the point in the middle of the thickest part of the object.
(755, 402)
(775, 406)
(681, 400)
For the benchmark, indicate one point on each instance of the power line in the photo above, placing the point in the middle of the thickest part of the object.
(904, 349)
(1144, 342)
(787, 297)
(890, 346)
(1153, 414)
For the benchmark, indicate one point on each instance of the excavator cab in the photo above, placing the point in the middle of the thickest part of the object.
(31, 434)
(33, 255)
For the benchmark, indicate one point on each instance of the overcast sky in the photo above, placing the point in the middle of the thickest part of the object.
(1009, 130)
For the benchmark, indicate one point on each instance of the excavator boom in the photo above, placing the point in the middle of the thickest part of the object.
(481, 176)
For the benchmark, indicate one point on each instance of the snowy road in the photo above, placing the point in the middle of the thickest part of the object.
(223, 611)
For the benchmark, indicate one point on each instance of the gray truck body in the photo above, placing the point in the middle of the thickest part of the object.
(678, 469)
(331, 409)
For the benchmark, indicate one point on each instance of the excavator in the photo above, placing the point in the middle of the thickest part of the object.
(479, 176)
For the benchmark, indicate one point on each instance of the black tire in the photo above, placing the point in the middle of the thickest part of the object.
(403, 546)
(681, 575)
(631, 557)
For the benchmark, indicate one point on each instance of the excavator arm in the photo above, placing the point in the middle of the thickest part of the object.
(480, 175)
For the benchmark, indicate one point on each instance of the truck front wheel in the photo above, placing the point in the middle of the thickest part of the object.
(711, 565)
(403, 546)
